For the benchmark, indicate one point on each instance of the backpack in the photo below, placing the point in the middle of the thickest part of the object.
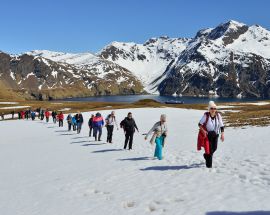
(107, 119)
(208, 115)
(207, 118)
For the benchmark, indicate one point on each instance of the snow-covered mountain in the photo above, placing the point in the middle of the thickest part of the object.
(147, 61)
(50, 75)
(230, 60)
(78, 59)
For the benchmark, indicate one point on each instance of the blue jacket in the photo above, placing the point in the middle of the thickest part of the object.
(74, 121)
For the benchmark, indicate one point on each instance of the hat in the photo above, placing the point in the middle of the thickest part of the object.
(211, 105)
(163, 116)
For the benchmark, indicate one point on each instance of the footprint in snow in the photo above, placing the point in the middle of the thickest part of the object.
(151, 208)
(129, 204)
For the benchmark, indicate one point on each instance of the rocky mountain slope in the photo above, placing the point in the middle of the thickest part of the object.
(147, 61)
(51, 75)
(230, 60)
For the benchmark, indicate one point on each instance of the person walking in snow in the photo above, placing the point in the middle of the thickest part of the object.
(47, 115)
(74, 123)
(38, 112)
(27, 114)
(3, 116)
(60, 118)
(19, 115)
(98, 123)
(69, 121)
(22, 114)
(211, 125)
(12, 114)
(33, 115)
(90, 124)
(159, 131)
(41, 114)
(110, 123)
(54, 115)
(79, 120)
(129, 126)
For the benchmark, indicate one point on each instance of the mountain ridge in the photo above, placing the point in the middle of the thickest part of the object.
(229, 60)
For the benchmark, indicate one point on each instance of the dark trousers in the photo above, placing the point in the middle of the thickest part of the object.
(109, 133)
(213, 142)
(99, 131)
(90, 131)
(60, 123)
(69, 126)
(54, 119)
(47, 119)
(79, 127)
(129, 139)
(74, 127)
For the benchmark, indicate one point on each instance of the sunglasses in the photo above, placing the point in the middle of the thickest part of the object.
(212, 108)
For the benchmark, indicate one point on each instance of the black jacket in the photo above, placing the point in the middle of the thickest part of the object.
(54, 114)
(129, 125)
(90, 122)
(79, 118)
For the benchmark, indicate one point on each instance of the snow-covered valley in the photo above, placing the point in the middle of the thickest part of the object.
(48, 170)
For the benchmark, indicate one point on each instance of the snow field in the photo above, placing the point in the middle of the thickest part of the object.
(49, 170)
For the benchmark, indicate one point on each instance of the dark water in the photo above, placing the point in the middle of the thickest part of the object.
(134, 98)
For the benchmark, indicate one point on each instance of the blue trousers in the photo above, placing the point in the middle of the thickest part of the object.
(159, 145)
(99, 131)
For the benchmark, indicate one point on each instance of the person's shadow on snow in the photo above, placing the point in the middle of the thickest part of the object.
(93, 144)
(136, 159)
(165, 168)
(238, 213)
(82, 141)
(67, 134)
(61, 131)
(80, 137)
(107, 150)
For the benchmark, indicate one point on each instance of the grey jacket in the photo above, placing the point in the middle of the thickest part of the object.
(158, 129)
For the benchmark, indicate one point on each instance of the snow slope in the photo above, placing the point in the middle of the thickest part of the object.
(213, 46)
(69, 58)
(48, 170)
(232, 50)
(147, 61)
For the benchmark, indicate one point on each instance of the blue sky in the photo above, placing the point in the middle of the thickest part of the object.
(88, 25)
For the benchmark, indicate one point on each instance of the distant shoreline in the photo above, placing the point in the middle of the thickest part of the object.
(236, 114)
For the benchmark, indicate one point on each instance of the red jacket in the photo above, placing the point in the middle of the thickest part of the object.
(60, 116)
(47, 114)
(203, 142)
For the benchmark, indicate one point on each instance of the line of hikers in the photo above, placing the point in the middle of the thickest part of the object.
(210, 128)
(97, 122)
(29, 114)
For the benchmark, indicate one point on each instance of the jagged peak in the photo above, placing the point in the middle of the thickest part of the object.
(227, 29)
